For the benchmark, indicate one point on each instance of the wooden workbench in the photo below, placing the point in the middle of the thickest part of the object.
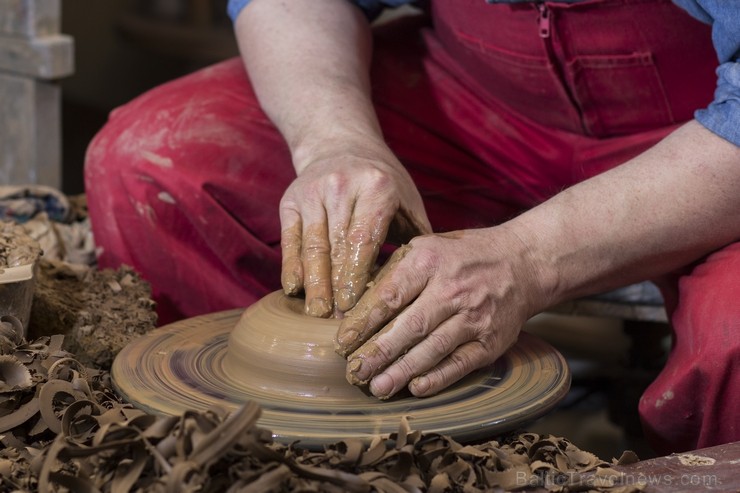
(33, 55)
(710, 469)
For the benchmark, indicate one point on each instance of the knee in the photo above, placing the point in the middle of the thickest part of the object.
(691, 404)
(179, 123)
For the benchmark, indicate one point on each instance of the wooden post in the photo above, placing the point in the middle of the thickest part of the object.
(33, 55)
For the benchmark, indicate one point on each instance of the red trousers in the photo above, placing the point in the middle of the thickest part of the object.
(492, 108)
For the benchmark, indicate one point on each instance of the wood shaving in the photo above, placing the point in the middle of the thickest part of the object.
(69, 431)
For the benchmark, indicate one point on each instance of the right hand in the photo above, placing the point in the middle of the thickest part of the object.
(335, 216)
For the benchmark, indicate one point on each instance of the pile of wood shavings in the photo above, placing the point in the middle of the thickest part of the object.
(16, 247)
(64, 429)
(98, 311)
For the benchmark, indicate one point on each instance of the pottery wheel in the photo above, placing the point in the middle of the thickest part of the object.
(221, 359)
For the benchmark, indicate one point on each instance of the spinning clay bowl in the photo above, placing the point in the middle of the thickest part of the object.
(273, 354)
(288, 354)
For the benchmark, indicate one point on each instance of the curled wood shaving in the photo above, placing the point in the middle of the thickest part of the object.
(13, 374)
(68, 431)
(11, 334)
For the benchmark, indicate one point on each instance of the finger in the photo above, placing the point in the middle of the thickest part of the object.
(463, 360)
(380, 303)
(291, 272)
(421, 323)
(317, 271)
(339, 212)
(366, 233)
(315, 255)
(421, 358)
(358, 372)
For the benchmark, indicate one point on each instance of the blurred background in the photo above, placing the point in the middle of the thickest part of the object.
(121, 49)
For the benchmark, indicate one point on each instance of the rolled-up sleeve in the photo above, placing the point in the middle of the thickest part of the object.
(371, 7)
(722, 116)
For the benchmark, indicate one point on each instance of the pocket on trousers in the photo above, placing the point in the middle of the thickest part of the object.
(619, 94)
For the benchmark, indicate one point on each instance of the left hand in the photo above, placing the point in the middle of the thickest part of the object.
(442, 306)
(335, 216)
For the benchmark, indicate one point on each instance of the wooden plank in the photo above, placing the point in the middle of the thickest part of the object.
(47, 166)
(710, 469)
(49, 57)
(599, 308)
(30, 122)
(30, 18)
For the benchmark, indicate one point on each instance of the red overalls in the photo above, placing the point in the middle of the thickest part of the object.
(493, 110)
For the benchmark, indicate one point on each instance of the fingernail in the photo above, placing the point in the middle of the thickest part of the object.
(318, 307)
(346, 342)
(290, 282)
(290, 285)
(345, 299)
(355, 374)
(420, 385)
(381, 386)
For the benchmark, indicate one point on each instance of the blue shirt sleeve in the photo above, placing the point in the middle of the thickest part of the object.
(234, 7)
(371, 7)
(722, 116)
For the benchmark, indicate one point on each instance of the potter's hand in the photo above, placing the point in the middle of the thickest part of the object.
(443, 306)
(336, 215)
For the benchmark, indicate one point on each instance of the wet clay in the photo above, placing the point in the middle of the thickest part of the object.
(66, 426)
(370, 313)
(310, 261)
(291, 275)
(358, 372)
(316, 259)
(354, 261)
(276, 355)
(276, 346)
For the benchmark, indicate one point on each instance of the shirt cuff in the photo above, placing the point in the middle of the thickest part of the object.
(234, 7)
(722, 116)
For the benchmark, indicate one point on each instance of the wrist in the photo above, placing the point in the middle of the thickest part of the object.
(334, 143)
(538, 269)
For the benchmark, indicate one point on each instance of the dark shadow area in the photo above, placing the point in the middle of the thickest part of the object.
(124, 48)
(79, 125)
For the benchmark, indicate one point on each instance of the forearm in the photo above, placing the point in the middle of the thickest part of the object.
(308, 61)
(662, 210)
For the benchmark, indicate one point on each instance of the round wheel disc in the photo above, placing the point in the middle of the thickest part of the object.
(180, 367)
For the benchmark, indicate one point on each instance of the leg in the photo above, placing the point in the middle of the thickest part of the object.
(184, 184)
(695, 402)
